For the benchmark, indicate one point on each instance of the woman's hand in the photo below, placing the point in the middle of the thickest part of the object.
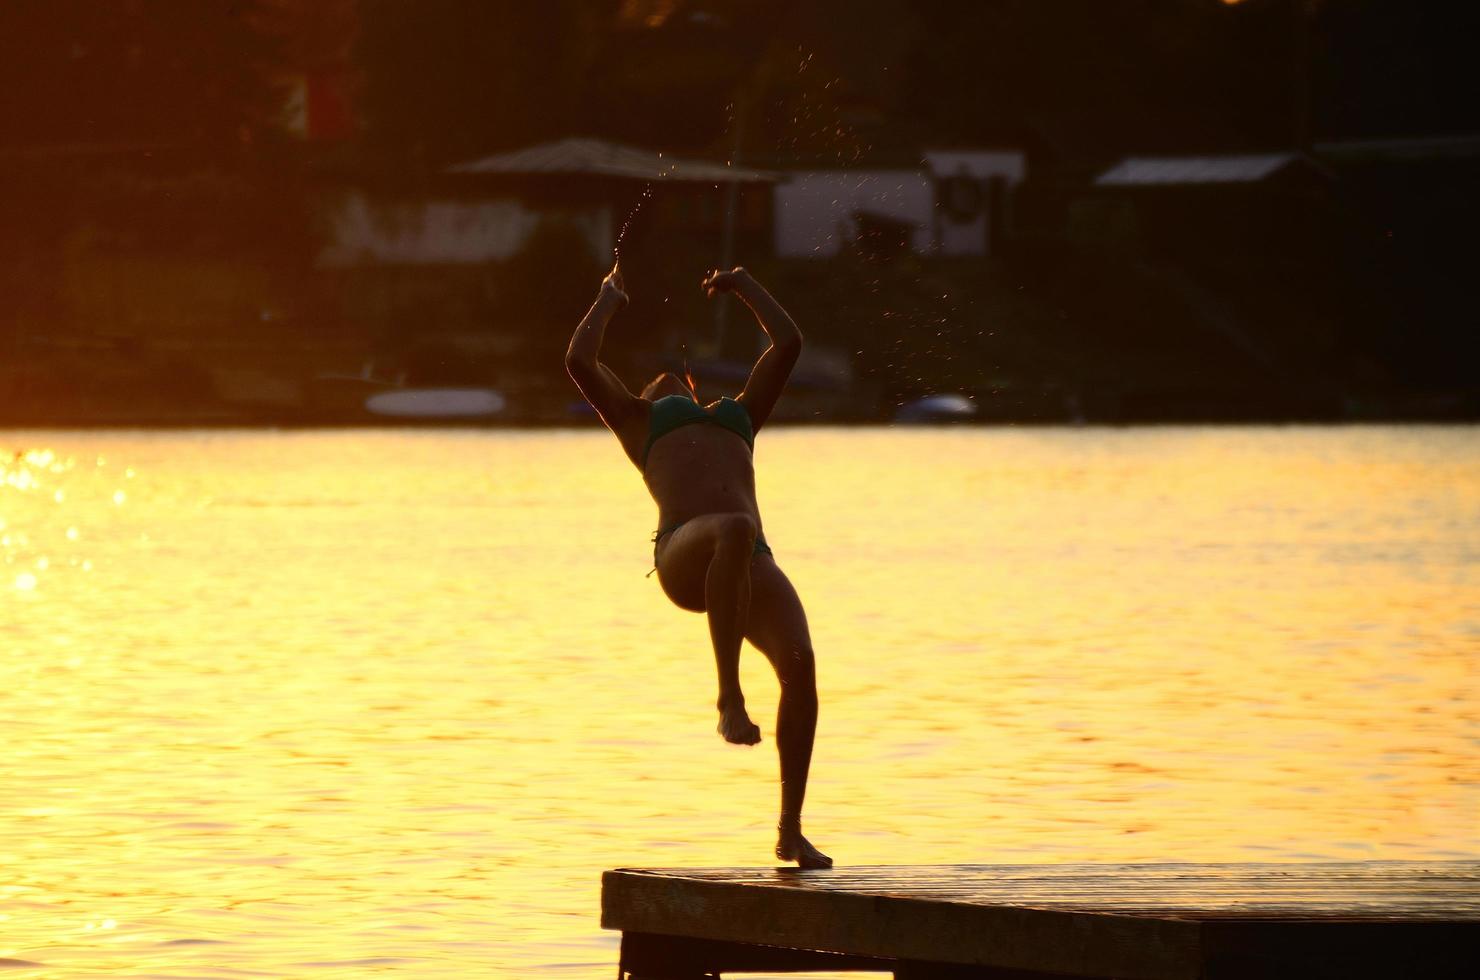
(614, 286)
(725, 282)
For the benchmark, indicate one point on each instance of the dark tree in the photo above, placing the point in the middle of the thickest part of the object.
(147, 71)
(449, 79)
(1389, 68)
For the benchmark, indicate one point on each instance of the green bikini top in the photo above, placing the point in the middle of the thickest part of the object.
(676, 411)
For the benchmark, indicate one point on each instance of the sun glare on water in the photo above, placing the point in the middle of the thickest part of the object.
(327, 704)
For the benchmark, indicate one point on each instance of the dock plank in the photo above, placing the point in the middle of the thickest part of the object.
(1152, 921)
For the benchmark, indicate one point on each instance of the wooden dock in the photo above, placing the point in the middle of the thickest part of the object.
(1138, 921)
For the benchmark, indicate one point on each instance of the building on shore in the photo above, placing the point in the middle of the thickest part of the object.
(955, 203)
(451, 273)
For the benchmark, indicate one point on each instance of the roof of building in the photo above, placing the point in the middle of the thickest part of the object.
(1230, 169)
(593, 157)
(1463, 146)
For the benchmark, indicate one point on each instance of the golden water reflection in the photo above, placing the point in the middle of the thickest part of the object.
(349, 704)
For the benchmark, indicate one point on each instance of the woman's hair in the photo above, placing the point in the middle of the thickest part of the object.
(652, 386)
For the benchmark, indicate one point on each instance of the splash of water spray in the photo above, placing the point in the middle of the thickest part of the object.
(647, 192)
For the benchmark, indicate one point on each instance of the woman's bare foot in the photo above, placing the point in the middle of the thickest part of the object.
(792, 846)
(735, 725)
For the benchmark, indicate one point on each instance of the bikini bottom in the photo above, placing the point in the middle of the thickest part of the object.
(761, 548)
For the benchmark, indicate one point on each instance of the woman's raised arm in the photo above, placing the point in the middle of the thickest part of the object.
(769, 376)
(598, 384)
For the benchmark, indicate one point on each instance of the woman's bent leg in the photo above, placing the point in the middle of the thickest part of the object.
(705, 565)
(777, 626)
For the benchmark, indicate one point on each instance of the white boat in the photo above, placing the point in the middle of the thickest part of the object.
(436, 403)
(937, 408)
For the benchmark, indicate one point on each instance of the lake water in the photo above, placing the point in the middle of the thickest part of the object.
(343, 704)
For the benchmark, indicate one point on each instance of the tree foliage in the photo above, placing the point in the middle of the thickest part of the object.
(79, 72)
(449, 78)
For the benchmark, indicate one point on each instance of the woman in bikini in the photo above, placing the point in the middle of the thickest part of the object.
(710, 554)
